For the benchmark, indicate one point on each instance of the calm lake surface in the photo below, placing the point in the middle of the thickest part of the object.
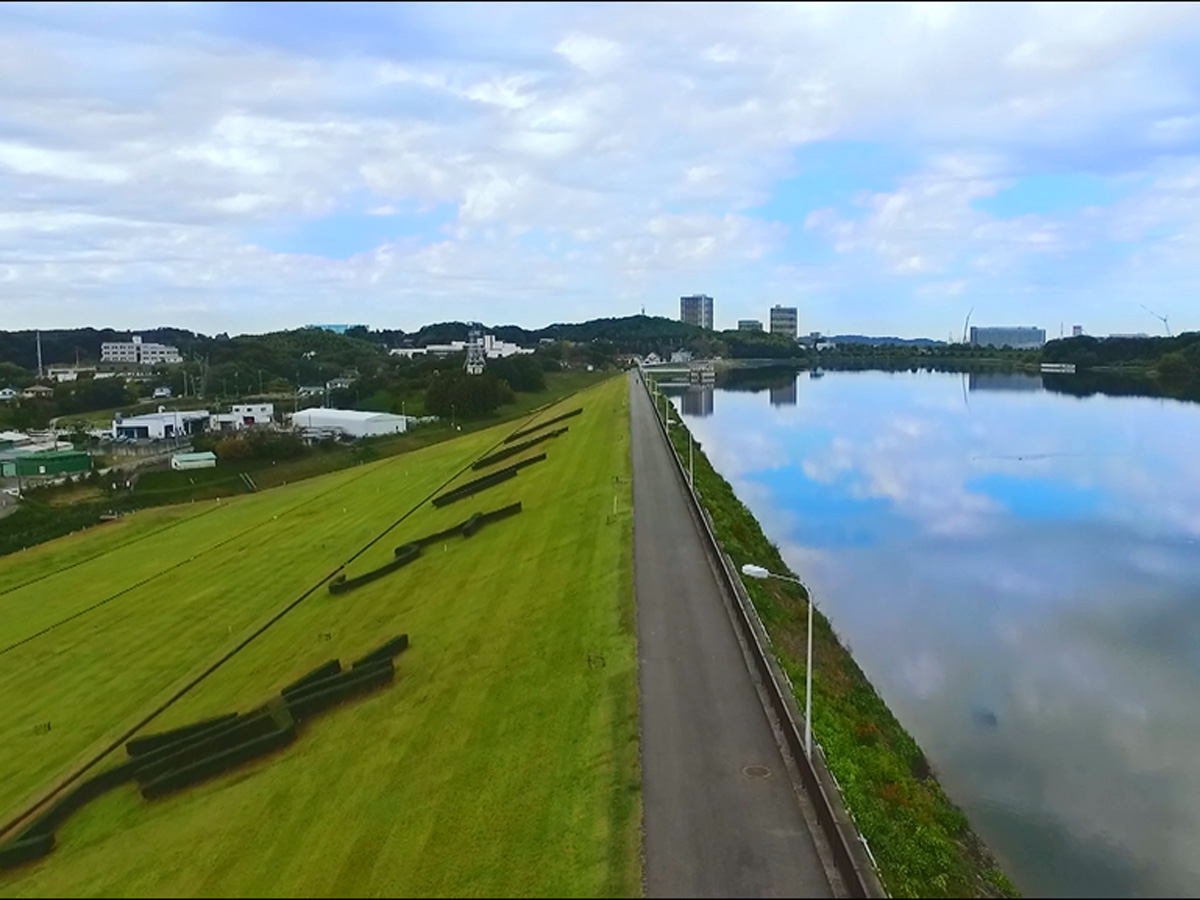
(1018, 573)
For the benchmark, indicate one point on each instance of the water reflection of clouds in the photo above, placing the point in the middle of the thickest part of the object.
(1059, 593)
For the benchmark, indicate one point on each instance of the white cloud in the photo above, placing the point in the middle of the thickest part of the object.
(637, 142)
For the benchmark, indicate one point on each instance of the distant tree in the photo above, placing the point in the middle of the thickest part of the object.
(1174, 367)
(523, 373)
(462, 396)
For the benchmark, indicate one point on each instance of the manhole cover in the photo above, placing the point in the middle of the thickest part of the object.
(756, 772)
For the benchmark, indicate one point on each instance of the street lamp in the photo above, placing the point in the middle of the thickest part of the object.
(759, 572)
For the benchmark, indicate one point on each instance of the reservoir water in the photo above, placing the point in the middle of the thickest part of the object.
(1017, 570)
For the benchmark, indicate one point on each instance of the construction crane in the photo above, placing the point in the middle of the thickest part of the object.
(967, 322)
(1162, 319)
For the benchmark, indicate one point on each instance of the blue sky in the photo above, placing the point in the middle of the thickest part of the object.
(241, 167)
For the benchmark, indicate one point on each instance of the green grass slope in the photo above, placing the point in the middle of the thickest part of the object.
(502, 761)
(103, 643)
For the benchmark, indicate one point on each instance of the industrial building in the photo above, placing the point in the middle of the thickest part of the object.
(243, 415)
(749, 325)
(45, 463)
(1016, 336)
(162, 425)
(784, 321)
(205, 460)
(139, 352)
(352, 423)
(697, 309)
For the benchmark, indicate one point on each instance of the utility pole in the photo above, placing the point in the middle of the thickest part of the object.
(41, 374)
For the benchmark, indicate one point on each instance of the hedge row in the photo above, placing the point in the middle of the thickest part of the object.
(254, 725)
(517, 435)
(486, 461)
(176, 779)
(320, 673)
(37, 839)
(150, 742)
(350, 684)
(170, 760)
(26, 849)
(404, 555)
(391, 649)
(474, 487)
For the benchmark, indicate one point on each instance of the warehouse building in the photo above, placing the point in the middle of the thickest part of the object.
(45, 463)
(162, 425)
(352, 423)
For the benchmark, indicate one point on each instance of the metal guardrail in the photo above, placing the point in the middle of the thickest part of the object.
(851, 854)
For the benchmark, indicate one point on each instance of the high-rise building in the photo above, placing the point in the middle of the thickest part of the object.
(1076, 330)
(784, 394)
(784, 321)
(697, 401)
(750, 325)
(697, 309)
(1017, 337)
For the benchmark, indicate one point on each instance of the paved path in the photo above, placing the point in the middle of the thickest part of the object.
(710, 829)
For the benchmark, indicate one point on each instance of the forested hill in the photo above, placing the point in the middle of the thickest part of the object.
(1177, 356)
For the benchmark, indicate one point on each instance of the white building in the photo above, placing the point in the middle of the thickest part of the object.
(160, 425)
(69, 373)
(139, 352)
(243, 415)
(322, 422)
(492, 348)
(205, 460)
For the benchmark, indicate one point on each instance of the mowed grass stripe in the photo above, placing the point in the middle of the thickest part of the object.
(93, 676)
(474, 444)
(29, 566)
(500, 763)
(34, 609)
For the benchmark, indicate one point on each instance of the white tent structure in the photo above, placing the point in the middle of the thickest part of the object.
(349, 422)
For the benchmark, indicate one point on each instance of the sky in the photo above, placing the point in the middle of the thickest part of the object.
(886, 169)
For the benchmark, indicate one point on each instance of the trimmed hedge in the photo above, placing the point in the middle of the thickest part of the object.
(503, 512)
(216, 764)
(37, 839)
(404, 555)
(320, 673)
(155, 756)
(26, 849)
(474, 487)
(362, 680)
(533, 429)
(486, 461)
(170, 760)
(149, 742)
(390, 650)
(255, 725)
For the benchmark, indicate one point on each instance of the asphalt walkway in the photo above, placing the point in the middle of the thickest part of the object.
(714, 825)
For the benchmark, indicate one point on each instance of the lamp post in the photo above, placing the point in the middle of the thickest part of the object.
(759, 572)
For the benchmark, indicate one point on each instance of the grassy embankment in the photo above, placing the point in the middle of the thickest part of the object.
(922, 842)
(503, 761)
(71, 508)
